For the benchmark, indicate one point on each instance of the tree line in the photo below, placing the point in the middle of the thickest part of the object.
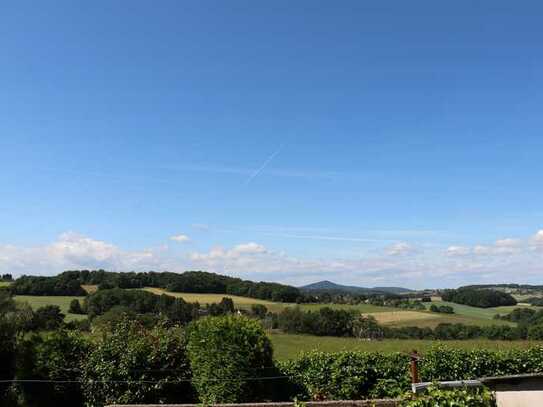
(478, 297)
(330, 322)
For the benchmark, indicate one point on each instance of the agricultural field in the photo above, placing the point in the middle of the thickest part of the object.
(473, 315)
(426, 319)
(62, 301)
(241, 302)
(289, 346)
(389, 316)
(89, 288)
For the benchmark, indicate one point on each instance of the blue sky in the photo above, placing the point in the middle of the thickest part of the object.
(369, 143)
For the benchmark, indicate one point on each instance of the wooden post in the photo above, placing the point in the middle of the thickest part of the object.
(414, 367)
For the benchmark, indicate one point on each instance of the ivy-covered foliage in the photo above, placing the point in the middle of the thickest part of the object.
(133, 364)
(227, 357)
(479, 397)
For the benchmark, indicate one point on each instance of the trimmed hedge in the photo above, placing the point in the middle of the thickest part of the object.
(360, 375)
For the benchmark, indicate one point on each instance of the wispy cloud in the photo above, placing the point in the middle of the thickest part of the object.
(180, 238)
(264, 165)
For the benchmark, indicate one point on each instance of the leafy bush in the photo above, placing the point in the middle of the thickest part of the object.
(8, 332)
(359, 375)
(442, 363)
(226, 306)
(259, 310)
(57, 356)
(225, 354)
(133, 364)
(47, 318)
(443, 309)
(75, 307)
(480, 397)
(348, 375)
(536, 332)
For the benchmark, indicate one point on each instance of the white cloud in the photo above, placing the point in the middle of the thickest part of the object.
(74, 251)
(180, 238)
(399, 249)
(243, 249)
(400, 264)
(249, 248)
(508, 243)
(458, 251)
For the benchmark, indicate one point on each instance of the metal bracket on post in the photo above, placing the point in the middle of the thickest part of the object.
(414, 367)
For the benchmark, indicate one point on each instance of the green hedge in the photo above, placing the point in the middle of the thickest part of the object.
(360, 375)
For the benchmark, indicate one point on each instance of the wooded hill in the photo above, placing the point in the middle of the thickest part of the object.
(69, 283)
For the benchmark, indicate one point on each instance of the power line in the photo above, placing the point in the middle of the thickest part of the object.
(225, 380)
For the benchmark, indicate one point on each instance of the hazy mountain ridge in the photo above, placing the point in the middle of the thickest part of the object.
(327, 285)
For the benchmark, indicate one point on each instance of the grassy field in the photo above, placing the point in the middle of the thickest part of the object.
(62, 301)
(89, 288)
(4, 283)
(289, 346)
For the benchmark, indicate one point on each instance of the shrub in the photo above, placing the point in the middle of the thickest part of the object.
(133, 364)
(348, 375)
(75, 307)
(259, 310)
(442, 363)
(225, 353)
(8, 332)
(480, 397)
(57, 356)
(359, 375)
(536, 332)
(47, 318)
(443, 309)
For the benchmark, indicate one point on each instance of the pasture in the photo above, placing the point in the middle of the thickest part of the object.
(289, 346)
(63, 303)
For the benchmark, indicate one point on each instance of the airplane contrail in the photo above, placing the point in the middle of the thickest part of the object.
(264, 165)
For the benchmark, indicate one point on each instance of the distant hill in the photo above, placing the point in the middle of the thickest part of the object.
(332, 287)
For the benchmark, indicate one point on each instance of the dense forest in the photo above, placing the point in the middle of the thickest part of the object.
(482, 298)
(69, 283)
